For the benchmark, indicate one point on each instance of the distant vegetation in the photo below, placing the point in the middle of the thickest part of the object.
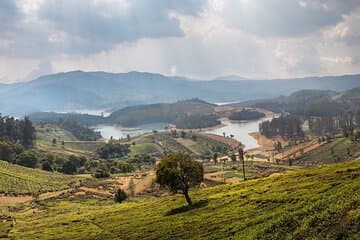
(113, 150)
(285, 126)
(17, 131)
(246, 114)
(80, 132)
(197, 121)
(193, 113)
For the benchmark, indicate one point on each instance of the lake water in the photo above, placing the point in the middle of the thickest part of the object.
(108, 131)
(240, 131)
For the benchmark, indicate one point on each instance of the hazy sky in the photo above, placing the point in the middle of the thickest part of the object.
(195, 38)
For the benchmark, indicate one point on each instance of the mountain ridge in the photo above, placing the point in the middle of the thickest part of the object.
(102, 90)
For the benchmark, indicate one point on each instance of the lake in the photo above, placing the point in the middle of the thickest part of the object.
(116, 132)
(241, 131)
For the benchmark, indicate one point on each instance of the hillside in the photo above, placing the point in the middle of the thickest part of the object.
(310, 102)
(15, 179)
(316, 203)
(162, 112)
(193, 113)
(99, 90)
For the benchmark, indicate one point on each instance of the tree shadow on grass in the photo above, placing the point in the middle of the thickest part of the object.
(195, 205)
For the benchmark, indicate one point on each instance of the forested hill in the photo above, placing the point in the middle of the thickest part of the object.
(95, 90)
(311, 102)
(192, 113)
(162, 112)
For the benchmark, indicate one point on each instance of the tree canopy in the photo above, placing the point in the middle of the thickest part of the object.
(178, 172)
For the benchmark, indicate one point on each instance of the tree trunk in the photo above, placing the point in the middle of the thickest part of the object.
(187, 197)
(243, 162)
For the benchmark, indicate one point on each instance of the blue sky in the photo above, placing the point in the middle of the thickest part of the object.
(201, 39)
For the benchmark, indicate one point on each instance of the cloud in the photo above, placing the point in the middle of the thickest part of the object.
(8, 15)
(284, 18)
(197, 38)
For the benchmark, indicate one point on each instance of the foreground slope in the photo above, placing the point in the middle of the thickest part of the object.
(316, 203)
(15, 179)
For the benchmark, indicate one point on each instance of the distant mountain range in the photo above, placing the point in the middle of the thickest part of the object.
(101, 90)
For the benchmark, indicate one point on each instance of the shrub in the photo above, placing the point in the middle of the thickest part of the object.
(120, 196)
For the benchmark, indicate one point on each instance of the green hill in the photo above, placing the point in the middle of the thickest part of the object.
(315, 203)
(162, 112)
(15, 179)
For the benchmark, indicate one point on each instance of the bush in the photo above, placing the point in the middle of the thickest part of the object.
(120, 196)
(101, 173)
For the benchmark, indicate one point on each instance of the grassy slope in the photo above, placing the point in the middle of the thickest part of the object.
(21, 180)
(316, 203)
(323, 155)
(157, 144)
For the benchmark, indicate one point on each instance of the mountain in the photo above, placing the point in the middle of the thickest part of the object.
(101, 90)
(231, 78)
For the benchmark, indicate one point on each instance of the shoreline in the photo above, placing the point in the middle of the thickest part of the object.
(198, 129)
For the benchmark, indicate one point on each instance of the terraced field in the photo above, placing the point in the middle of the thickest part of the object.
(314, 203)
(16, 179)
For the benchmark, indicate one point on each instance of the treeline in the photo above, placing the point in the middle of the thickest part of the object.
(54, 118)
(197, 121)
(113, 150)
(315, 106)
(82, 133)
(246, 114)
(193, 111)
(285, 126)
(17, 131)
(347, 124)
(15, 153)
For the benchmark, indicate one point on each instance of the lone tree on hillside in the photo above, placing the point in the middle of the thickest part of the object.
(241, 158)
(178, 173)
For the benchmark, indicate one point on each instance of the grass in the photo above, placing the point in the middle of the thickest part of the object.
(160, 143)
(314, 203)
(15, 179)
(324, 155)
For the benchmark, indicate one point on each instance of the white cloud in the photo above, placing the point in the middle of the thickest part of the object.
(200, 39)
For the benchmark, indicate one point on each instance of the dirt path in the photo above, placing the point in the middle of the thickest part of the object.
(217, 177)
(95, 190)
(141, 183)
(10, 200)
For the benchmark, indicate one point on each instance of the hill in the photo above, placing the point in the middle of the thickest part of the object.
(15, 179)
(316, 203)
(193, 113)
(310, 102)
(162, 112)
(99, 90)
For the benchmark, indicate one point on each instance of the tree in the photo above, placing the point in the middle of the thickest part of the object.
(120, 196)
(241, 158)
(131, 187)
(27, 159)
(178, 173)
(233, 157)
(215, 157)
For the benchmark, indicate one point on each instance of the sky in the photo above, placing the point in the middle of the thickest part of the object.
(201, 39)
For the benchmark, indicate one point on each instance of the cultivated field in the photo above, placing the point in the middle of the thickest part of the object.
(316, 203)
(15, 179)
